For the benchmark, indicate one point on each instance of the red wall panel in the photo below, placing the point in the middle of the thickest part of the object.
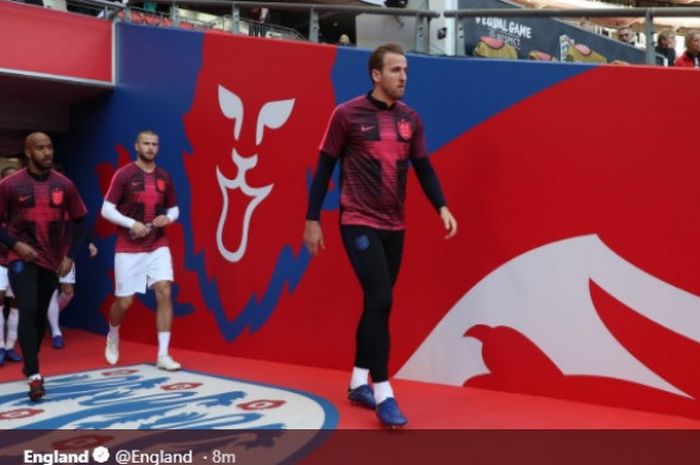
(41, 40)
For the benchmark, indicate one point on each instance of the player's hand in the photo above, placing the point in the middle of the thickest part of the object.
(160, 221)
(139, 230)
(92, 250)
(25, 251)
(449, 222)
(313, 237)
(65, 267)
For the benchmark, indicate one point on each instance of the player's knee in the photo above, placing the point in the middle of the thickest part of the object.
(385, 300)
(123, 303)
(162, 290)
(67, 290)
(380, 302)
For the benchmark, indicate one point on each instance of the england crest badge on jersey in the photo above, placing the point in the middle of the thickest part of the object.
(56, 196)
(405, 129)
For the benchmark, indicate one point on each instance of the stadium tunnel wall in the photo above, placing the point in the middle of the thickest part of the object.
(573, 273)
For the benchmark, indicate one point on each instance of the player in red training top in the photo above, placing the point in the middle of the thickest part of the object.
(374, 136)
(62, 296)
(141, 201)
(36, 202)
(7, 343)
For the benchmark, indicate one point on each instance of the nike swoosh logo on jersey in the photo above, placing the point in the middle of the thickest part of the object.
(366, 128)
(24, 198)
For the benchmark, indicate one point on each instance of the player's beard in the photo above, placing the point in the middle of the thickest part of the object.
(395, 92)
(146, 158)
(43, 164)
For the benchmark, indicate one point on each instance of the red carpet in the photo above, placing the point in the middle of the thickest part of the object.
(427, 406)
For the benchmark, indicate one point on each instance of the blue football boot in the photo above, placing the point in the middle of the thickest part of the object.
(57, 342)
(389, 414)
(12, 356)
(362, 395)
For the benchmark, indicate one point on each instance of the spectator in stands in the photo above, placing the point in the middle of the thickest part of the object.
(151, 7)
(85, 10)
(344, 40)
(690, 59)
(665, 45)
(261, 17)
(626, 34)
(587, 24)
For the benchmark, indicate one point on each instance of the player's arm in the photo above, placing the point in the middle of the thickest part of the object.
(431, 187)
(170, 202)
(78, 235)
(429, 182)
(75, 207)
(77, 240)
(313, 236)
(6, 238)
(137, 229)
(24, 250)
(428, 179)
(331, 147)
(171, 215)
(90, 241)
(110, 213)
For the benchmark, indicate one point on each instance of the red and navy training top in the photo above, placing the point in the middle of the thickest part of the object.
(36, 209)
(141, 196)
(374, 144)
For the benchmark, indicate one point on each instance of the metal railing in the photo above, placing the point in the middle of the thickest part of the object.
(112, 9)
(314, 9)
(647, 13)
(421, 37)
(104, 8)
(204, 21)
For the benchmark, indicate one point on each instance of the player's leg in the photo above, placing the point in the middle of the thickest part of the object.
(2, 329)
(4, 283)
(32, 286)
(11, 354)
(130, 278)
(160, 278)
(59, 300)
(387, 408)
(56, 335)
(366, 250)
(67, 290)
